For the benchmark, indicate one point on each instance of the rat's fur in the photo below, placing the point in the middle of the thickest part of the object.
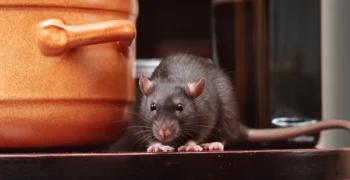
(210, 117)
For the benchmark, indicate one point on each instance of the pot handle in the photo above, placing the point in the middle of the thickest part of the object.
(55, 37)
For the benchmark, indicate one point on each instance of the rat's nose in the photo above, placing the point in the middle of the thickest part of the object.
(164, 133)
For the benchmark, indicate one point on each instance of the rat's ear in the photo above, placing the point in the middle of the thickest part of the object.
(196, 88)
(144, 84)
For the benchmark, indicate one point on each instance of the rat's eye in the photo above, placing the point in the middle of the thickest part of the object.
(153, 107)
(179, 107)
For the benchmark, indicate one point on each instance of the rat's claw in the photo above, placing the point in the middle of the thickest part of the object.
(191, 147)
(213, 146)
(157, 147)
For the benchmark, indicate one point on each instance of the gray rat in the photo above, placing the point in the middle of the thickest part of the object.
(189, 104)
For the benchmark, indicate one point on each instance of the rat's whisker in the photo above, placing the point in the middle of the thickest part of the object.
(143, 127)
(144, 138)
(144, 131)
(149, 137)
(197, 125)
(196, 132)
(188, 133)
(179, 138)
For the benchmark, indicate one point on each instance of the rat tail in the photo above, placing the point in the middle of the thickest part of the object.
(274, 134)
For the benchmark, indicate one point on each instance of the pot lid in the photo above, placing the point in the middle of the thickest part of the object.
(128, 6)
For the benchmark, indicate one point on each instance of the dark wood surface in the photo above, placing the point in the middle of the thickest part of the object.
(298, 164)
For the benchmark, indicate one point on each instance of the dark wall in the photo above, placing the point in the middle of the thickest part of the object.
(173, 25)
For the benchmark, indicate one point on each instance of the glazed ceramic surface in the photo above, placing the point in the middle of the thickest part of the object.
(66, 71)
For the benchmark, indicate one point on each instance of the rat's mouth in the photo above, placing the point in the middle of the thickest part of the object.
(166, 139)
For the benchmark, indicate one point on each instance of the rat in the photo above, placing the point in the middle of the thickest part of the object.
(188, 104)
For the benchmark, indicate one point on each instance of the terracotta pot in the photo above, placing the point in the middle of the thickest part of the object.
(66, 72)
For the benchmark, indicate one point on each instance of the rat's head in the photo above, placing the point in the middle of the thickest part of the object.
(168, 109)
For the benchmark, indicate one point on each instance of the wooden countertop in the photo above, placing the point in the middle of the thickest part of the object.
(298, 164)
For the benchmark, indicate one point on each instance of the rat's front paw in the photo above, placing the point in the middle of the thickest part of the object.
(157, 147)
(191, 147)
(213, 146)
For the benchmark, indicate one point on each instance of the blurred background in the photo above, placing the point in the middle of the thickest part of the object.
(287, 58)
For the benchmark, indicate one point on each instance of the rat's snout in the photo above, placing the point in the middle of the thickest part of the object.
(165, 131)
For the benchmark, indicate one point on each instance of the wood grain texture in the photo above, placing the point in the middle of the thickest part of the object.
(268, 164)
